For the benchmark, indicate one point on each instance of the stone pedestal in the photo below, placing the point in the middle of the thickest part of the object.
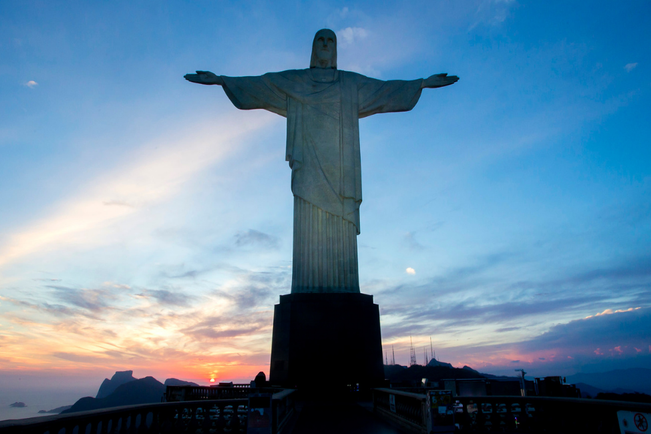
(326, 341)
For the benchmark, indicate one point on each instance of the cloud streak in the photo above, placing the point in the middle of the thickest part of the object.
(152, 178)
(468, 306)
(253, 238)
(630, 66)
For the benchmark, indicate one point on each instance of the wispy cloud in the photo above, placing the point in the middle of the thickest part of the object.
(253, 238)
(479, 303)
(217, 333)
(157, 327)
(151, 178)
(627, 328)
(168, 298)
(630, 66)
(117, 203)
(597, 343)
(351, 35)
(492, 12)
(31, 84)
(411, 243)
(91, 299)
(610, 311)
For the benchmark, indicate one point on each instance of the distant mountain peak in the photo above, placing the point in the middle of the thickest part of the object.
(177, 382)
(118, 379)
(631, 379)
(143, 391)
(435, 362)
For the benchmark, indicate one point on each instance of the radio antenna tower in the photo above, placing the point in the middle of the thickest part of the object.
(412, 353)
(431, 349)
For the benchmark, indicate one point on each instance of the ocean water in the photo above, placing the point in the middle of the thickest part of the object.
(39, 399)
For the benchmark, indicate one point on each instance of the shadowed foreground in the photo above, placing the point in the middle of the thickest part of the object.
(328, 418)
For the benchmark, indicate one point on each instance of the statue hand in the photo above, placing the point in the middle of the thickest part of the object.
(204, 77)
(439, 80)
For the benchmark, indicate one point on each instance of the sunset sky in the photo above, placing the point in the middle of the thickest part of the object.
(146, 223)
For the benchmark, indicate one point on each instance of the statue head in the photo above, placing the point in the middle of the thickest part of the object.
(324, 50)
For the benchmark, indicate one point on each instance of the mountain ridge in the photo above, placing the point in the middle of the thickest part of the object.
(108, 386)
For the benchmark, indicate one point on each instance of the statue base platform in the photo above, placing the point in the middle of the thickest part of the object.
(326, 342)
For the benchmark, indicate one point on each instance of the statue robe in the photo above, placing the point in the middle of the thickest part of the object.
(323, 153)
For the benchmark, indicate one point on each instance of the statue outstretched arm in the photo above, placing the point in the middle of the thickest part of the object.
(204, 77)
(437, 80)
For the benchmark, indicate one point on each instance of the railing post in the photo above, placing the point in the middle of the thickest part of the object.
(132, 424)
(155, 424)
(221, 421)
(235, 419)
(206, 424)
(142, 428)
(194, 422)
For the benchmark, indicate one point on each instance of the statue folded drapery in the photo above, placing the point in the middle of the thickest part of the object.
(323, 106)
(323, 153)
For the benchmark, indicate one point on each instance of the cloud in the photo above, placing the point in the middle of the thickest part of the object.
(256, 238)
(32, 84)
(157, 327)
(610, 311)
(214, 334)
(595, 344)
(479, 293)
(57, 310)
(117, 285)
(492, 12)
(94, 300)
(229, 324)
(350, 35)
(480, 302)
(252, 289)
(628, 328)
(152, 174)
(507, 329)
(117, 203)
(411, 242)
(168, 298)
(80, 358)
(630, 66)
(410, 270)
(343, 12)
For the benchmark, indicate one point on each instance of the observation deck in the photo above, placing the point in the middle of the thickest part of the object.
(385, 411)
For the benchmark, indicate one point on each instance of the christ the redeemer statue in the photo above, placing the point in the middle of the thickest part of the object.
(323, 106)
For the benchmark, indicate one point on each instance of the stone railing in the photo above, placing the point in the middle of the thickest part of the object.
(408, 410)
(282, 409)
(196, 393)
(508, 414)
(205, 416)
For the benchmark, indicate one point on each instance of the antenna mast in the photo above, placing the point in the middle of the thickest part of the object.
(431, 349)
(412, 353)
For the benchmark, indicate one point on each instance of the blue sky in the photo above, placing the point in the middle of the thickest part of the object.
(146, 222)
